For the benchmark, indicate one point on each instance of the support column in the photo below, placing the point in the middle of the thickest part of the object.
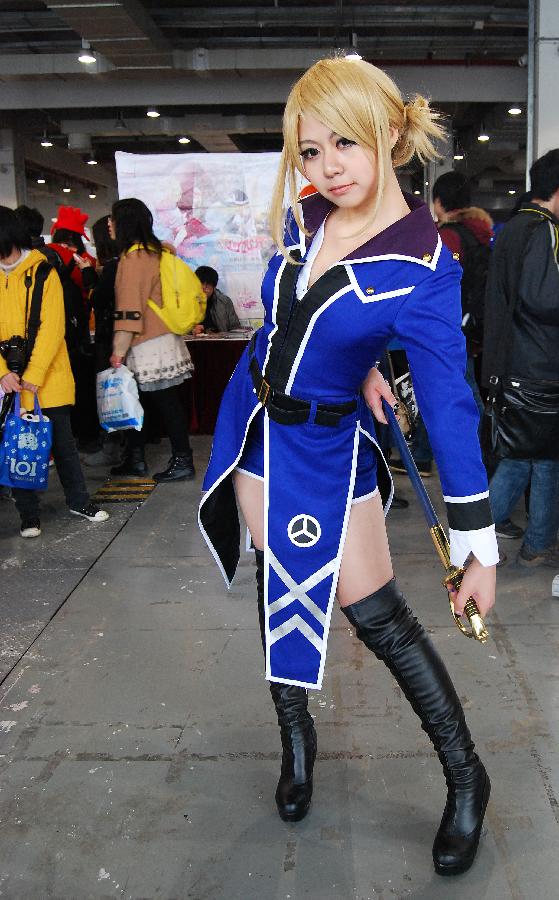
(12, 170)
(437, 167)
(545, 55)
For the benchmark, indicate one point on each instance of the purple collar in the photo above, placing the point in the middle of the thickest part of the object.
(415, 235)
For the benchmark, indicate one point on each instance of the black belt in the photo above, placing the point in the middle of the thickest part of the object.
(290, 411)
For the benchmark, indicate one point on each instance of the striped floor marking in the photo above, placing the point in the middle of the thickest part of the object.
(133, 490)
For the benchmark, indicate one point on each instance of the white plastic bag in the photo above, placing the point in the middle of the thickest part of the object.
(118, 404)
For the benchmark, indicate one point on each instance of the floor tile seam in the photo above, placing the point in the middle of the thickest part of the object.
(80, 580)
(227, 756)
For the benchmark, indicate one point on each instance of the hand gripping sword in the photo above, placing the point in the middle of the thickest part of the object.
(454, 574)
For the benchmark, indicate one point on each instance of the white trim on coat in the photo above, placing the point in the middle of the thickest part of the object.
(374, 298)
(274, 313)
(471, 498)
(429, 264)
(391, 495)
(212, 489)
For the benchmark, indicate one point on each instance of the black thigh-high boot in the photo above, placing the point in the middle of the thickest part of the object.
(387, 626)
(298, 737)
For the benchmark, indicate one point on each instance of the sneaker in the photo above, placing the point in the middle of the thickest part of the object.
(532, 559)
(508, 529)
(91, 512)
(30, 528)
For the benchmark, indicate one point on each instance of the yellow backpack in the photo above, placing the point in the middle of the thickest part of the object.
(184, 301)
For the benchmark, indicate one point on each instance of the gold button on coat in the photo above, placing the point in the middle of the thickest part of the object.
(369, 290)
(427, 257)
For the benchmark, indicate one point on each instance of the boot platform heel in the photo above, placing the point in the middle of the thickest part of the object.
(456, 843)
(298, 735)
(388, 628)
(294, 790)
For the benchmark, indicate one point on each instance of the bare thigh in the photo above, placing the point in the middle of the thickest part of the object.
(250, 497)
(366, 564)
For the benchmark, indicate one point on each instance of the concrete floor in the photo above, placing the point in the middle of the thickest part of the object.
(139, 751)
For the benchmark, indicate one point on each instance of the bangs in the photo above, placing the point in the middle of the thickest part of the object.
(345, 95)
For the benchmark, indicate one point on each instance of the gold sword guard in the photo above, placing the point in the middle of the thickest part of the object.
(453, 577)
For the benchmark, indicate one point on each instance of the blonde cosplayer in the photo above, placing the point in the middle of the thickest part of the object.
(359, 102)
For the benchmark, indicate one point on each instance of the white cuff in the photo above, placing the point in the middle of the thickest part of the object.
(482, 543)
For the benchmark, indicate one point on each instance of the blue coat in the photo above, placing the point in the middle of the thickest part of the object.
(402, 284)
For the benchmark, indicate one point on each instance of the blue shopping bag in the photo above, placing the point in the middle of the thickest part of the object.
(25, 449)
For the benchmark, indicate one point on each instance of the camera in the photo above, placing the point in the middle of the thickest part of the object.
(13, 351)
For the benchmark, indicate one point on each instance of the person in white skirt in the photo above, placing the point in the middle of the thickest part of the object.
(158, 358)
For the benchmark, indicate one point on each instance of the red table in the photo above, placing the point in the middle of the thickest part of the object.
(215, 357)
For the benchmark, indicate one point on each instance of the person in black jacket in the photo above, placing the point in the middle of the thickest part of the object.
(103, 302)
(220, 312)
(524, 271)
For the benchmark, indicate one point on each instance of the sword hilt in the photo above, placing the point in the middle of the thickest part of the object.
(453, 577)
(477, 627)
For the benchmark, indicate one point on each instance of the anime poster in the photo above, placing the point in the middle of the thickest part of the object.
(214, 209)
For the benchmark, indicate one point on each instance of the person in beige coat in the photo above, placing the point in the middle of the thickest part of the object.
(158, 358)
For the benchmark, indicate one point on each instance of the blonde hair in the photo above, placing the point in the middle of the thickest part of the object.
(359, 102)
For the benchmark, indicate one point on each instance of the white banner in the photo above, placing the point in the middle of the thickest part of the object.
(214, 209)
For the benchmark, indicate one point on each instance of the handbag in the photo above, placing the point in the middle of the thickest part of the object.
(25, 449)
(522, 419)
(118, 402)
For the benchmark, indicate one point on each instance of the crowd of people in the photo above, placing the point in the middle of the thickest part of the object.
(510, 317)
(95, 315)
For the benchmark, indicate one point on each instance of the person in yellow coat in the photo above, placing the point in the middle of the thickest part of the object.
(45, 373)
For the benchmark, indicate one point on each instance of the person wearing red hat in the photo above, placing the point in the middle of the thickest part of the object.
(68, 233)
(76, 268)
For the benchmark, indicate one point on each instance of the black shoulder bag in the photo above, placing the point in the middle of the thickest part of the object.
(521, 418)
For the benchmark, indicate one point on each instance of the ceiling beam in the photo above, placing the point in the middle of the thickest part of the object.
(444, 84)
(66, 163)
(208, 123)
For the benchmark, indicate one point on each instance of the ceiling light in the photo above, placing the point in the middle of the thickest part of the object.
(515, 111)
(92, 196)
(426, 184)
(92, 161)
(458, 151)
(512, 192)
(41, 179)
(87, 55)
(353, 54)
(184, 140)
(483, 137)
(45, 141)
(152, 113)
(66, 188)
(418, 193)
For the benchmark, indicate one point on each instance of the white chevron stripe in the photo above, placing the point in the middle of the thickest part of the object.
(299, 591)
(296, 623)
